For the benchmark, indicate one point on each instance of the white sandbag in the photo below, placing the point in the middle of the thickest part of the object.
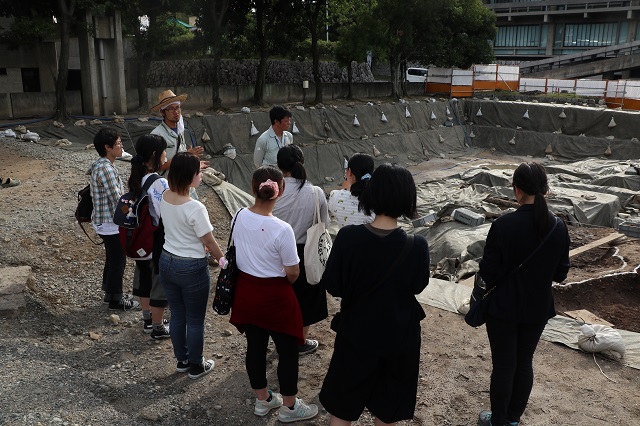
(600, 338)
(8, 133)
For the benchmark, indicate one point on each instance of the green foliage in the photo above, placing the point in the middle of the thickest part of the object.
(28, 32)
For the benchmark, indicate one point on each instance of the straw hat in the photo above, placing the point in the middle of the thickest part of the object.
(167, 97)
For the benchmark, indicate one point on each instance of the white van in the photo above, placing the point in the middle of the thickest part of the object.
(417, 75)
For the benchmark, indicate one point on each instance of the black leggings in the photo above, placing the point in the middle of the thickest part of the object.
(256, 359)
(512, 348)
(114, 265)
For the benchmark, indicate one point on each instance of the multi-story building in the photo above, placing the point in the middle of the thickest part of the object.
(534, 30)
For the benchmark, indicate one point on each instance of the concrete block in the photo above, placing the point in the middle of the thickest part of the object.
(467, 217)
(13, 282)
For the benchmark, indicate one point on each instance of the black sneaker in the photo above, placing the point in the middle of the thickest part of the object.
(197, 371)
(163, 333)
(183, 366)
(309, 346)
(148, 325)
(124, 304)
(106, 301)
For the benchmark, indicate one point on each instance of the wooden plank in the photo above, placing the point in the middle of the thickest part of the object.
(587, 317)
(594, 244)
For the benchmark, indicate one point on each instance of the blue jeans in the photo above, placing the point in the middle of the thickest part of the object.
(186, 285)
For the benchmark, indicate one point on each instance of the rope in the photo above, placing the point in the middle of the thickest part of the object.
(594, 360)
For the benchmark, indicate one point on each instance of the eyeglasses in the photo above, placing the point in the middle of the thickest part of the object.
(173, 108)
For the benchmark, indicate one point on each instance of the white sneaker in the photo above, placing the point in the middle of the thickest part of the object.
(262, 408)
(301, 411)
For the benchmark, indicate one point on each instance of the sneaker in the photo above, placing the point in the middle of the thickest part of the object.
(183, 366)
(124, 304)
(163, 333)
(197, 371)
(300, 411)
(308, 347)
(106, 301)
(262, 408)
(484, 419)
(148, 325)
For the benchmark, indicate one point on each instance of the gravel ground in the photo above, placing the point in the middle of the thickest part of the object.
(65, 363)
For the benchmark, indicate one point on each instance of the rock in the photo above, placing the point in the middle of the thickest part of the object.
(228, 332)
(114, 319)
(13, 282)
(95, 336)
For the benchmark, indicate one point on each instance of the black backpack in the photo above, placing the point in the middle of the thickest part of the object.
(84, 209)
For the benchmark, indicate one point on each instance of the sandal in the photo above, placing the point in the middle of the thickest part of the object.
(10, 182)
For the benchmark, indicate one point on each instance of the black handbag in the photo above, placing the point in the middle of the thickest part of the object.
(226, 284)
(479, 300)
(337, 318)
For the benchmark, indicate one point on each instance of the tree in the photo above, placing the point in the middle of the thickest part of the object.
(314, 18)
(215, 19)
(358, 31)
(151, 41)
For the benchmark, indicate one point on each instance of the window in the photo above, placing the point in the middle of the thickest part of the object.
(518, 36)
(30, 80)
(3, 71)
(74, 80)
(590, 35)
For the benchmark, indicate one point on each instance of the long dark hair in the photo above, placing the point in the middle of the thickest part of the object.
(360, 165)
(149, 149)
(531, 178)
(291, 160)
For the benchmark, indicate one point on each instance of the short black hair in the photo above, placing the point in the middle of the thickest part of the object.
(184, 166)
(390, 192)
(277, 113)
(105, 136)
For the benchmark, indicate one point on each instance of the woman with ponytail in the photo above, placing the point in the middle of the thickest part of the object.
(525, 252)
(296, 207)
(265, 304)
(150, 156)
(343, 202)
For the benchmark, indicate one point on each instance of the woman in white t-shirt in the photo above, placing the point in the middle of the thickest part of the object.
(184, 269)
(264, 304)
(343, 202)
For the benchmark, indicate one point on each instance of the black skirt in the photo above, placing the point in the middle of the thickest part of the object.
(312, 298)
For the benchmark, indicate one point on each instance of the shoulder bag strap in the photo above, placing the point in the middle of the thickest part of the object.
(403, 254)
(555, 223)
(233, 225)
(316, 211)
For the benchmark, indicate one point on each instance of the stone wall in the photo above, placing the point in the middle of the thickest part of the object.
(197, 72)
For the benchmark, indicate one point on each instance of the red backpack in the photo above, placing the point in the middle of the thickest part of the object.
(136, 224)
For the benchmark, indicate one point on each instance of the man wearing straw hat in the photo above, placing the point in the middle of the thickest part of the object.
(172, 130)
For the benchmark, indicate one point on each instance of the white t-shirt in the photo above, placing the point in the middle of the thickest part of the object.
(155, 196)
(297, 207)
(184, 224)
(264, 245)
(344, 208)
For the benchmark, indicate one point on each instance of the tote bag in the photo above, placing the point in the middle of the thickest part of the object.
(317, 247)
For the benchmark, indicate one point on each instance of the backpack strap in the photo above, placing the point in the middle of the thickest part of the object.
(147, 183)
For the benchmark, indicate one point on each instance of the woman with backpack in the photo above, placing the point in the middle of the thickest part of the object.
(106, 189)
(150, 156)
(184, 268)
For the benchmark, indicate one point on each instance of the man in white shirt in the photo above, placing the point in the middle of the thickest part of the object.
(277, 136)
